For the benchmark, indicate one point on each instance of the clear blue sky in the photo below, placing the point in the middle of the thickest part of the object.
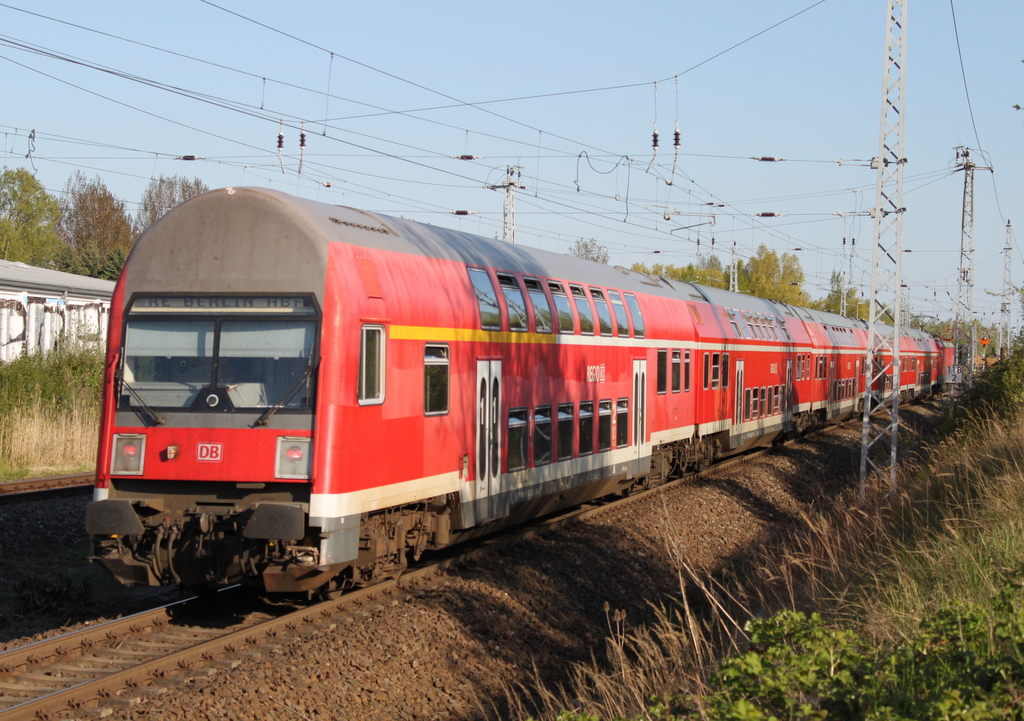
(413, 84)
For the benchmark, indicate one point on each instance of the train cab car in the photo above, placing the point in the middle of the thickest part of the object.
(303, 396)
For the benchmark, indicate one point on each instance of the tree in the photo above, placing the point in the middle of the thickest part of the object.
(775, 277)
(93, 224)
(833, 302)
(28, 219)
(707, 270)
(161, 195)
(589, 250)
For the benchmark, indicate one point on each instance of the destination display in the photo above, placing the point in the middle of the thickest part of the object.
(292, 305)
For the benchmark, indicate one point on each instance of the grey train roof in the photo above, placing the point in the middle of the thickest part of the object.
(233, 216)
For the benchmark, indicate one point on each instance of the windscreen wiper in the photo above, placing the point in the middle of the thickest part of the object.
(158, 420)
(287, 396)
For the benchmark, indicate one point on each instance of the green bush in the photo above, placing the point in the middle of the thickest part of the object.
(58, 379)
(997, 390)
(964, 662)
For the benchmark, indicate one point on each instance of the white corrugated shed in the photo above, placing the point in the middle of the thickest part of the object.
(40, 309)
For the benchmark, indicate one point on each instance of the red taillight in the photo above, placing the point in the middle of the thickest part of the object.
(129, 450)
(294, 453)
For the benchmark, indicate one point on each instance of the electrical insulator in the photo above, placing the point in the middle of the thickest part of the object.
(654, 139)
(280, 141)
(676, 142)
(302, 139)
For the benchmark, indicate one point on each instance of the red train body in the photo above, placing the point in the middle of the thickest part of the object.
(302, 395)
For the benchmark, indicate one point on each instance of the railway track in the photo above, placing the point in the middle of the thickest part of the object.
(102, 665)
(33, 488)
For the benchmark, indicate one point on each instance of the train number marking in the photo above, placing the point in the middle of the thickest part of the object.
(595, 374)
(210, 452)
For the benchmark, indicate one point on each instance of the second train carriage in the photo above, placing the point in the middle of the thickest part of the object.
(302, 395)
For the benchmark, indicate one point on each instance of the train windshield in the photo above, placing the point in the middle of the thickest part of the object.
(218, 364)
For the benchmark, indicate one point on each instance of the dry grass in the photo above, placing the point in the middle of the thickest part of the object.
(40, 439)
(879, 565)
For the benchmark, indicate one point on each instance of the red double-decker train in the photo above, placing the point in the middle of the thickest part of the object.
(302, 396)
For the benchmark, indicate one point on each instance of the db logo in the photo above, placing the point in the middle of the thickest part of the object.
(210, 452)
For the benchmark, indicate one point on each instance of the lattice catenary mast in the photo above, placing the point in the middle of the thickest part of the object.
(882, 360)
(1004, 320)
(513, 174)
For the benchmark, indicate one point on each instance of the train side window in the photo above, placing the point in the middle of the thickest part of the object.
(622, 422)
(734, 322)
(716, 369)
(435, 379)
(517, 427)
(676, 371)
(542, 436)
(566, 422)
(490, 314)
(604, 316)
(586, 426)
(725, 370)
(662, 370)
(771, 328)
(783, 329)
(686, 373)
(765, 410)
(707, 370)
(562, 307)
(753, 403)
(517, 319)
(541, 307)
(604, 426)
(746, 404)
(372, 350)
(619, 312)
(638, 318)
(778, 399)
(583, 309)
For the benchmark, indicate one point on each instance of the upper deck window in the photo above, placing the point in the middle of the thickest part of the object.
(638, 317)
(604, 316)
(517, 319)
(562, 307)
(619, 311)
(541, 308)
(583, 309)
(490, 313)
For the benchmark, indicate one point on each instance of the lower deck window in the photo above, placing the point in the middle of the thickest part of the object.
(542, 436)
(435, 379)
(604, 426)
(622, 423)
(517, 427)
(586, 426)
(566, 425)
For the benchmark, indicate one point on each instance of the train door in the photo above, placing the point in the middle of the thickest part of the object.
(640, 443)
(833, 389)
(737, 411)
(788, 400)
(488, 440)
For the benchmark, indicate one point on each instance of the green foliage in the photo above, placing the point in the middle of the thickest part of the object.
(57, 379)
(28, 219)
(95, 228)
(589, 250)
(998, 390)
(964, 662)
(161, 195)
(707, 270)
(769, 275)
